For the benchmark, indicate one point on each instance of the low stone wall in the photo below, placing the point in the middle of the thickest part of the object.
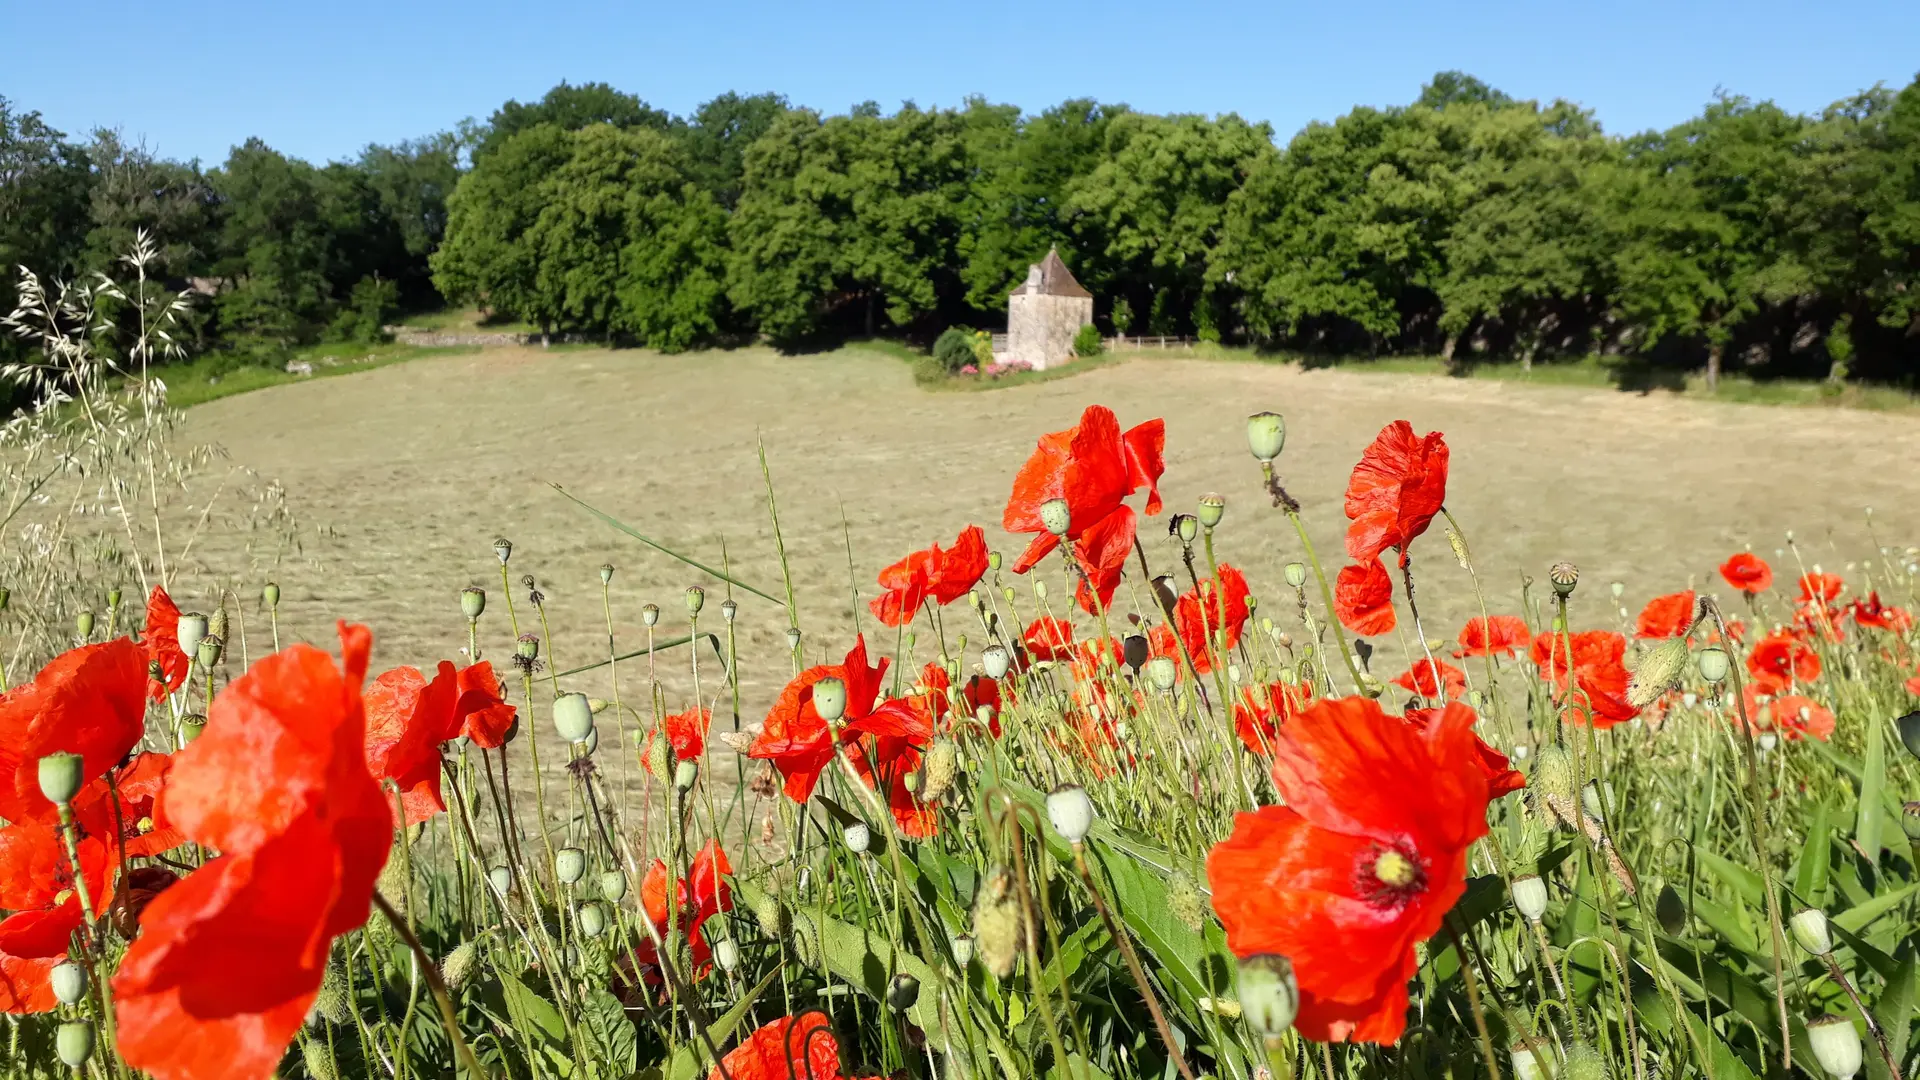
(440, 339)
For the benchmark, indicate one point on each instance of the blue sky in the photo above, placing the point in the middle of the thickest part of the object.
(322, 80)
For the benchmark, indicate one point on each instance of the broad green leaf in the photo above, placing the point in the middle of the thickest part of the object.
(1732, 928)
(1741, 880)
(1742, 994)
(1810, 874)
(1727, 1065)
(1894, 1012)
(1873, 780)
(1078, 1068)
(1859, 915)
(610, 1036)
(657, 546)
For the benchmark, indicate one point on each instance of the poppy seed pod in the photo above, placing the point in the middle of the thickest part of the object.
(527, 647)
(793, 639)
(83, 625)
(858, 837)
(684, 775)
(726, 953)
(1530, 897)
(1810, 930)
(903, 991)
(995, 659)
(1836, 1045)
(113, 599)
(1071, 812)
(650, 615)
(1713, 665)
(1909, 728)
(209, 653)
(1659, 671)
(1056, 516)
(963, 950)
(997, 928)
(606, 573)
(1766, 741)
(69, 982)
(1670, 911)
(1162, 671)
(74, 1042)
(60, 777)
(1584, 1063)
(1296, 574)
(189, 630)
(830, 699)
(592, 918)
(696, 599)
(502, 549)
(192, 726)
(1532, 1060)
(569, 865)
(1269, 994)
(473, 601)
(1564, 576)
(728, 610)
(501, 879)
(1266, 435)
(613, 886)
(573, 717)
(1134, 650)
(1213, 506)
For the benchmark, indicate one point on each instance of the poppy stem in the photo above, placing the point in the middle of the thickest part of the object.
(1326, 596)
(439, 987)
(1133, 966)
(1473, 1002)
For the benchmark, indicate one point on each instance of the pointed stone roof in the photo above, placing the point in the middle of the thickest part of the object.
(1054, 279)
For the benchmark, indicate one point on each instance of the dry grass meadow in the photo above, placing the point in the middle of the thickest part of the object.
(410, 471)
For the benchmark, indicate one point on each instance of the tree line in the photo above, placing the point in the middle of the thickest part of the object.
(1465, 223)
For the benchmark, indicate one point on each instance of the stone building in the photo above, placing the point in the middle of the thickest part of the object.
(1044, 313)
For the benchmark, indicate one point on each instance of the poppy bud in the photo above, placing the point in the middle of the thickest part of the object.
(1235, 675)
(1213, 506)
(830, 699)
(592, 918)
(1836, 1045)
(208, 654)
(1530, 897)
(60, 777)
(1296, 574)
(1476, 699)
(726, 953)
(1266, 435)
(459, 965)
(69, 982)
(74, 1042)
(113, 598)
(729, 609)
(1713, 665)
(1564, 576)
(696, 599)
(1520, 751)
(1162, 671)
(993, 560)
(1553, 772)
(660, 756)
(503, 549)
(1909, 728)
(318, 1059)
(938, 769)
(270, 595)
(606, 573)
(903, 991)
(473, 601)
(1532, 1060)
(501, 879)
(1186, 527)
(1584, 1063)
(569, 865)
(332, 1003)
(963, 951)
(192, 726)
(191, 627)
(650, 615)
(1670, 910)
(1185, 903)
(1009, 594)
(1269, 995)
(1056, 516)
(1071, 812)
(527, 647)
(1618, 588)
(613, 885)
(83, 625)
(1910, 821)
(684, 775)
(858, 837)
(1810, 930)
(1658, 671)
(772, 915)
(573, 717)
(997, 928)
(217, 624)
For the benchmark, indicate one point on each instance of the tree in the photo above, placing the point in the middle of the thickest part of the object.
(275, 250)
(570, 108)
(487, 258)
(1890, 173)
(45, 197)
(717, 139)
(412, 182)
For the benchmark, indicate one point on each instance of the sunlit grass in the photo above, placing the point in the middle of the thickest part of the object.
(207, 379)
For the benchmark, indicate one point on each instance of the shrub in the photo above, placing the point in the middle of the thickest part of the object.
(983, 347)
(364, 316)
(953, 349)
(1086, 342)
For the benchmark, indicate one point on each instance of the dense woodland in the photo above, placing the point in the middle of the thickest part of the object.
(1465, 223)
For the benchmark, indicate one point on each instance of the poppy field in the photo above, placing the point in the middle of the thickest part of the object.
(1103, 804)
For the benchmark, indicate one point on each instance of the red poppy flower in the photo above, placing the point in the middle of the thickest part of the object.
(942, 576)
(36, 885)
(1818, 587)
(798, 741)
(485, 717)
(140, 821)
(162, 640)
(699, 896)
(1093, 467)
(1360, 865)
(791, 1047)
(978, 691)
(1258, 716)
(1363, 598)
(1395, 491)
(1101, 554)
(1420, 679)
(1502, 778)
(885, 765)
(687, 734)
(1209, 610)
(1871, 612)
(408, 718)
(1668, 616)
(1794, 716)
(1048, 638)
(90, 701)
(1599, 670)
(1484, 636)
(230, 959)
(1747, 572)
(1780, 659)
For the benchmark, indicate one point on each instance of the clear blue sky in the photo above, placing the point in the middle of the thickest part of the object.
(321, 80)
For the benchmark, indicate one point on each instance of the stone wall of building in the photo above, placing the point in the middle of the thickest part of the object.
(1040, 328)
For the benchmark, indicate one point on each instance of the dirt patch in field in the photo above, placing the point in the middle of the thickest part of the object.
(417, 467)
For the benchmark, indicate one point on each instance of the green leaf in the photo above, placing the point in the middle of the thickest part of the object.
(1873, 781)
(1736, 877)
(1727, 1065)
(1078, 1068)
(1859, 915)
(712, 640)
(1811, 872)
(610, 1036)
(630, 531)
(1894, 1012)
(687, 1062)
(538, 1017)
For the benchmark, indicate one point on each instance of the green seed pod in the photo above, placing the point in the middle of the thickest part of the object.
(726, 953)
(83, 625)
(61, 777)
(685, 773)
(995, 660)
(1532, 1060)
(1810, 930)
(1584, 1063)
(613, 886)
(903, 991)
(1269, 995)
(270, 595)
(1186, 527)
(473, 602)
(192, 726)
(1162, 672)
(1670, 911)
(606, 573)
(69, 982)
(319, 1061)
(1185, 902)
(569, 865)
(592, 918)
(1056, 516)
(1713, 664)
(1836, 1045)
(963, 951)
(858, 837)
(501, 878)
(1266, 435)
(1213, 506)
(938, 769)
(650, 615)
(1564, 576)
(1659, 671)
(729, 610)
(1530, 897)
(527, 647)
(212, 647)
(1071, 812)
(573, 717)
(830, 699)
(1296, 574)
(502, 549)
(460, 964)
(74, 1042)
(1553, 772)
(997, 929)
(1909, 728)
(993, 560)
(696, 599)
(189, 630)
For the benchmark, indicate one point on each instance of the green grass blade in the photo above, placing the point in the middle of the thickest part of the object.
(1873, 781)
(657, 546)
(658, 646)
(1810, 874)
